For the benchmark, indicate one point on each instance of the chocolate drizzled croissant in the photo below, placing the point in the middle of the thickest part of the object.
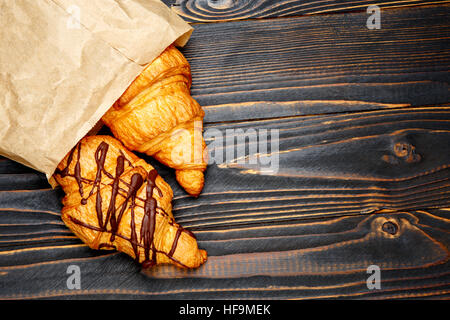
(115, 200)
(157, 116)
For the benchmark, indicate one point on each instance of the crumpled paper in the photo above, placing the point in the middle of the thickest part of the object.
(63, 63)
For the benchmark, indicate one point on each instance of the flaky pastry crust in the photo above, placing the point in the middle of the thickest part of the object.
(157, 116)
(117, 201)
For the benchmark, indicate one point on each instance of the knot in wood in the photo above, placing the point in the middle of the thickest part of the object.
(402, 149)
(390, 227)
(222, 4)
(407, 152)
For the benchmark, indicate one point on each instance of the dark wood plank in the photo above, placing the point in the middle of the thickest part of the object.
(306, 235)
(328, 165)
(320, 64)
(363, 177)
(325, 258)
(225, 10)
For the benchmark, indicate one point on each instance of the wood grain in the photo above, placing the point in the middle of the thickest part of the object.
(363, 177)
(328, 165)
(303, 235)
(329, 260)
(225, 10)
(320, 64)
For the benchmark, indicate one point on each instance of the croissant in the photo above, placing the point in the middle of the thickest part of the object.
(157, 116)
(117, 201)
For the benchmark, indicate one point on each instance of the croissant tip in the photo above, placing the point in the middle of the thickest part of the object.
(204, 256)
(192, 181)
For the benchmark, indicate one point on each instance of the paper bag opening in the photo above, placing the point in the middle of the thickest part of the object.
(64, 63)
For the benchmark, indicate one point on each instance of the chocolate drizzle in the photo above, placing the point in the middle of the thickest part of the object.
(175, 242)
(113, 214)
(136, 183)
(149, 221)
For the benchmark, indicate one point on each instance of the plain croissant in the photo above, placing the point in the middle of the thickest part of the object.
(157, 116)
(115, 200)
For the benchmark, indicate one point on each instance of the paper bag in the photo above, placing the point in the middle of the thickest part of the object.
(63, 63)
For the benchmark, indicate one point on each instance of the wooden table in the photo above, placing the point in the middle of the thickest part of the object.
(363, 178)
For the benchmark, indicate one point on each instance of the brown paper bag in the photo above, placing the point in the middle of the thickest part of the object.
(63, 63)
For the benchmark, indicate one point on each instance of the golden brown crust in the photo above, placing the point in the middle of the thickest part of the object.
(152, 112)
(115, 200)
